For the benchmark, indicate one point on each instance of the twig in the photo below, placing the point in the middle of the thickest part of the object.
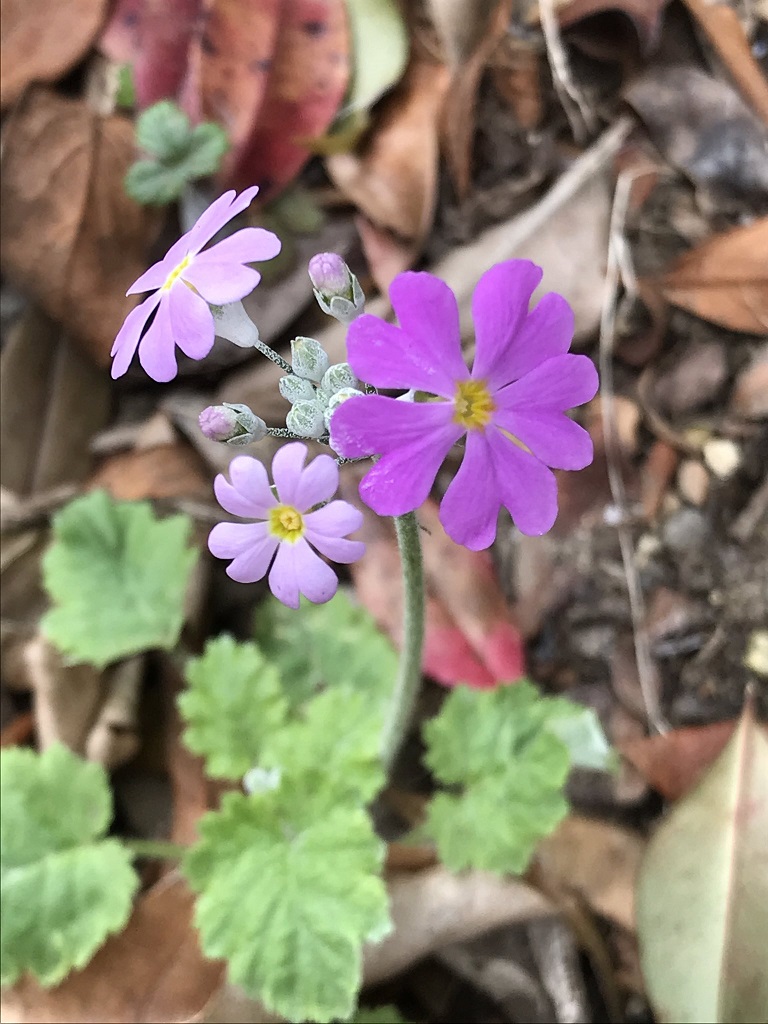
(581, 119)
(645, 667)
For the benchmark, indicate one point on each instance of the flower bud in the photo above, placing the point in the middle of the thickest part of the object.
(336, 400)
(306, 419)
(309, 359)
(338, 377)
(296, 389)
(234, 324)
(231, 423)
(336, 288)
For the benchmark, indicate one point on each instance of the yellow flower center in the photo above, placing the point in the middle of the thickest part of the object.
(286, 523)
(176, 273)
(473, 405)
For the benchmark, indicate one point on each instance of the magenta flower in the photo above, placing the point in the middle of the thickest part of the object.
(287, 530)
(511, 407)
(182, 285)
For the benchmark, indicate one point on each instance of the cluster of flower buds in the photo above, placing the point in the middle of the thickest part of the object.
(336, 288)
(315, 388)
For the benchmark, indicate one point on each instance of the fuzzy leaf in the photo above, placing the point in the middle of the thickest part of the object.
(117, 577)
(153, 184)
(64, 887)
(289, 892)
(511, 750)
(207, 146)
(163, 130)
(334, 746)
(333, 643)
(233, 704)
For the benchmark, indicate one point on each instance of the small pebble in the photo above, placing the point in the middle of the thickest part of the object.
(685, 530)
(693, 482)
(722, 456)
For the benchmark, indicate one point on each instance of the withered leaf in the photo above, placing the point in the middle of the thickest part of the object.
(72, 239)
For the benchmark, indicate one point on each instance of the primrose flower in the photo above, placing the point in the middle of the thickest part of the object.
(185, 282)
(511, 407)
(287, 529)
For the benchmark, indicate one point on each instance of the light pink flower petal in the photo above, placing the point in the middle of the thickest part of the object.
(222, 282)
(249, 495)
(470, 509)
(375, 424)
(318, 482)
(191, 321)
(499, 309)
(336, 519)
(219, 213)
(251, 545)
(526, 487)
(559, 383)
(546, 333)
(551, 436)
(287, 468)
(298, 570)
(155, 277)
(249, 245)
(128, 336)
(157, 352)
(401, 480)
(338, 549)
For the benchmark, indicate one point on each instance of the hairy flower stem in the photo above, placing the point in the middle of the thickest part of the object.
(408, 683)
(159, 848)
(270, 353)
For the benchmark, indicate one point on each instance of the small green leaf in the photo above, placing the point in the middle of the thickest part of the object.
(289, 892)
(335, 746)
(163, 130)
(233, 704)
(154, 184)
(335, 643)
(511, 750)
(378, 1015)
(117, 577)
(125, 96)
(702, 899)
(207, 146)
(65, 888)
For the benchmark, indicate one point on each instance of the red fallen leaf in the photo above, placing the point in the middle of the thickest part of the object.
(469, 635)
(674, 762)
(307, 79)
(154, 39)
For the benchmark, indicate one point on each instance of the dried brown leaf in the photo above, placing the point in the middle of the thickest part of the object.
(165, 471)
(673, 762)
(725, 279)
(72, 239)
(43, 39)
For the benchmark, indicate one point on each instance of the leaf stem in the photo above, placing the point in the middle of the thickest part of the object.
(270, 353)
(158, 848)
(408, 682)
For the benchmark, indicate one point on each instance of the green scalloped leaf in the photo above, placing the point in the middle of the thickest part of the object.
(65, 888)
(289, 892)
(117, 576)
(233, 704)
(511, 750)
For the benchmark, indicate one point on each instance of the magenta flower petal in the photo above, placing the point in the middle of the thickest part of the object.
(191, 321)
(249, 245)
(551, 436)
(470, 509)
(298, 570)
(221, 283)
(249, 495)
(127, 340)
(558, 383)
(374, 424)
(499, 309)
(287, 467)
(385, 356)
(157, 349)
(401, 480)
(318, 482)
(526, 487)
(546, 333)
(428, 314)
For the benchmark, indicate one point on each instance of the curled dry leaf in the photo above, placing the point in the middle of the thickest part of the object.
(673, 762)
(72, 239)
(703, 891)
(725, 279)
(461, 25)
(43, 40)
(433, 908)
(152, 971)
